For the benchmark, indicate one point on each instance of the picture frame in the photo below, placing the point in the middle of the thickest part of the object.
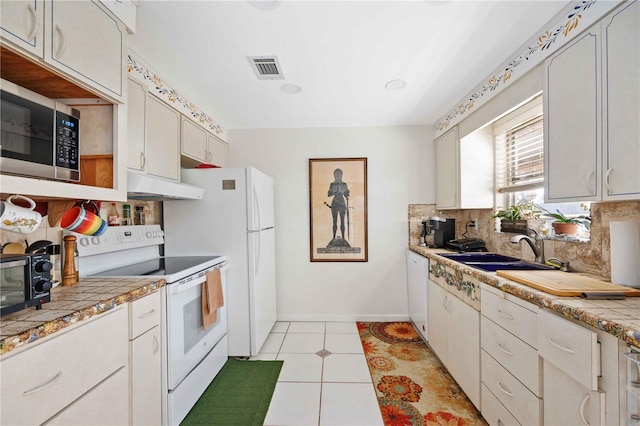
(338, 228)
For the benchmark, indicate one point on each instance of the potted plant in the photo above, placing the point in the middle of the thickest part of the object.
(563, 225)
(514, 218)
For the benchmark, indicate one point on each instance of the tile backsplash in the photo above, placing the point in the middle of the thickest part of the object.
(591, 256)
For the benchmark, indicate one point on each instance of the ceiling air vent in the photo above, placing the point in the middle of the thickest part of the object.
(266, 67)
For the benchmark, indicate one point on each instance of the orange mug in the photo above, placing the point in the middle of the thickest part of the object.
(82, 221)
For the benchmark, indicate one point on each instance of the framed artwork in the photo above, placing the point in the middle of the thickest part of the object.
(338, 209)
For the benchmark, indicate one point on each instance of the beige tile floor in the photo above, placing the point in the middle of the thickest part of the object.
(324, 379)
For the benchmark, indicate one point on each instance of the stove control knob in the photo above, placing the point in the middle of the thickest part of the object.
(42, 286)
(42, 266)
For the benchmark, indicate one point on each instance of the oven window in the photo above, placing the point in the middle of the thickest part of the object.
(12, 285)
(193, 329)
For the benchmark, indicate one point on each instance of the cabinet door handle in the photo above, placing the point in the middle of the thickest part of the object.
(591, 189)
(156, 344)
(562, 348)
(503, 315)
(44, 385)
(606, 179)
(143, 160)
(146, 314)
(34, 19)
(583, 404)
(444, 303)
(504, 390)
(506, 351)
(62, 42)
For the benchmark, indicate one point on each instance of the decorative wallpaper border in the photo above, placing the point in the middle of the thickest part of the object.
(583, 14)
(140, 71)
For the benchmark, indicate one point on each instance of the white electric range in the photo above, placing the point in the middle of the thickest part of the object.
(191, 354)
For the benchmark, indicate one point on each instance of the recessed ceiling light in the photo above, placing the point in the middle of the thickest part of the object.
(291, 88)
(396, 84)
(264, 4)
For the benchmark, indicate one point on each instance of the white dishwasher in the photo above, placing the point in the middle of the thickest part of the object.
(417, 283)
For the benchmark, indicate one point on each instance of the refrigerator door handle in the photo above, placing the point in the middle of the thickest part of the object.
(256, 203)
(257, 249)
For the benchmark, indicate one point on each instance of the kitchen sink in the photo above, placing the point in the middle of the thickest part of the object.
(492, 262)
(479, 257)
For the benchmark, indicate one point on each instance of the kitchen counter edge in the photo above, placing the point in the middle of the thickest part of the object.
(576, 308)
(70, 305)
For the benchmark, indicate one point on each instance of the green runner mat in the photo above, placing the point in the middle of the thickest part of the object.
(239, 395)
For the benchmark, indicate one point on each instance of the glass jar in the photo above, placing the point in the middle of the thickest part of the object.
(126, 214)
(139, 216)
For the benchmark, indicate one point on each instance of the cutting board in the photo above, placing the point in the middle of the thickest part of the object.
(564, 283)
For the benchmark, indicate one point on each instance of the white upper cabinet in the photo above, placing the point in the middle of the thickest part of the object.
(201, 147)
(572, 120)
(88, 43)
(153, 134)
(21, 24)
(465, 170)
(162, 147)
(591, 101)
(217, 151)
(621, 99)
(194, 142)
(447, 170)
(136, 132)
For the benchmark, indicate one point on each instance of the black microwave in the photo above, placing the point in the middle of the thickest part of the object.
(25, 281)
(40, 137)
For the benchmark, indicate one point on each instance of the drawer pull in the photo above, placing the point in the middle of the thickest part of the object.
(562, 348)
(503, 315)
(504, 390)
(506, 351)
(582, 405)
(156, 345)
(146, 314)
(635, 417)
(44, 385)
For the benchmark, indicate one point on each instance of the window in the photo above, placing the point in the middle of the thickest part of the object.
(520, 149)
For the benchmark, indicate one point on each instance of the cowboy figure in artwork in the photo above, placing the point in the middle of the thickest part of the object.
(340, 205)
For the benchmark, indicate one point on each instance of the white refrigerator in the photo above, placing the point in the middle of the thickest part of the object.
(235, 218)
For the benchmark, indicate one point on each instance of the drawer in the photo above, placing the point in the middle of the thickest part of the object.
(494, 412)
(570, 347)
(516, 398)
(513, 316)
(144, 314)
(56, 372)
(517, 357)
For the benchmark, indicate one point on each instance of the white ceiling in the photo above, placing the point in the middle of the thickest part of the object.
(340, 52)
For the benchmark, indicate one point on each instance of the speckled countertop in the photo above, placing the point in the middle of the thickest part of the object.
(69, 305)
(618, 317)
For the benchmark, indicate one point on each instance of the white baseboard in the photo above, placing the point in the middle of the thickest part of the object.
(342, 318)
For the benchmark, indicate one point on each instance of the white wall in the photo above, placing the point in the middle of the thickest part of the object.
(400, 172)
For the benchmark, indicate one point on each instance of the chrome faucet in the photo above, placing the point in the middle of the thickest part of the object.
(536, 243)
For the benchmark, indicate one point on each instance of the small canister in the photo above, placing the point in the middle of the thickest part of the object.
(55, 256)
(139, 217)
(126, 215)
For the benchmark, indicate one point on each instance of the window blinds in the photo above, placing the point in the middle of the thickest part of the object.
(520, 157)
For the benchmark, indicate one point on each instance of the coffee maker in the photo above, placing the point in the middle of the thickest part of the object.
(444, 230)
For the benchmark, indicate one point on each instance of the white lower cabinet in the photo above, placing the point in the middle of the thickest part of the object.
(511, 368)
(454, 335)
(145, 363)
(86, 361)
(567, 402)
(417, 283)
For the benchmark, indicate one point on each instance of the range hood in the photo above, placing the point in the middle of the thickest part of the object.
(149, 188)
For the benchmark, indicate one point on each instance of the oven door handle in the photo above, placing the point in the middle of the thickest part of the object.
(179, 288)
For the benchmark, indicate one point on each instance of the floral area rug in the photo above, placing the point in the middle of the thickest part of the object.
(412, 386)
